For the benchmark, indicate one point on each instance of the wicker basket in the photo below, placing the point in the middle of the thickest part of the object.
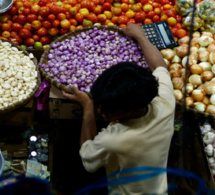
(26, 100)
(44, 57)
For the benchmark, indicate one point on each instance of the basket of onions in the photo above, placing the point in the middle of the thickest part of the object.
(200, 86)
(19, 76)
(80, 56)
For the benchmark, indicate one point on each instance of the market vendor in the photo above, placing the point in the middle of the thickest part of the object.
(140, 105)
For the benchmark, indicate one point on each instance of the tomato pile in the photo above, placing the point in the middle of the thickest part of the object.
(36, 23)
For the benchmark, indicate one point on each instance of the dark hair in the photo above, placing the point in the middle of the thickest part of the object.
(124, 86)
(16, 185)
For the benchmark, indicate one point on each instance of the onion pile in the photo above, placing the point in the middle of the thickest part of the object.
(79, 60)
(201, 81)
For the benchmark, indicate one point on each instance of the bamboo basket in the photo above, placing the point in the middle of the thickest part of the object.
(44, 57)
(31, 95)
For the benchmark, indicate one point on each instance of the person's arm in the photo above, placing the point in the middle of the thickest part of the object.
(152, 55)
(88, 129)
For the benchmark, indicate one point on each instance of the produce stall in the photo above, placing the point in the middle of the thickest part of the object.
(74, 41)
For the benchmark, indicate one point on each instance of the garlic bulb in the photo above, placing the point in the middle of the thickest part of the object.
(209, 151)
(209, 138)
(205, 128)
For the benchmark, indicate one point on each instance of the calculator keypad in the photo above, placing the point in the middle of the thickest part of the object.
(153, 36)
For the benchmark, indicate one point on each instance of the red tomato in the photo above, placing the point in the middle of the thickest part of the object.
(139, 16)
(148, 21)
(29, 41)
(56, 23)
(73, 22)
(28, 26)
(35, 9)
(62, 10)
(97, 10)
(170, 13)
(122, 20)
(51, 17)
(174, 30)
(53, 31)
(150, 14)
(36, 37)
(25, 33)
(61, 16)
(55, 10)
(72, 2)
(178, 25)
(116, 11)
(96, 2)
(91, 5)
(132, 21)
(92, 17)
(44, 11)
(156, 18)
(18, 39)
(84, 3)
(6, 27)
(12, 11)
(163, 2)
(68, 15)
(21, 19)
(106, 6)
(109, 1)
(156, 5)
(40, 18)
(31, 17)
(64, 31)
(178, 18)
(42, 31)
(36, 24)
(26, 11)
(79, 17)
(42, 2)
(157, 10)
(45, 40)
(181, 33)
(102, 17)
(143, 2)
(47, 24)
(27, 4)
(13, 33)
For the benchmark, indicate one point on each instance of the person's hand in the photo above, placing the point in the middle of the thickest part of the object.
(134, 31)
(78, 96)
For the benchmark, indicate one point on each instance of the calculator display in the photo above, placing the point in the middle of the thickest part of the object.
(164, 34)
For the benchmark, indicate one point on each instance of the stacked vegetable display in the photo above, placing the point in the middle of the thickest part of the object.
(36, 24)
(201, 82)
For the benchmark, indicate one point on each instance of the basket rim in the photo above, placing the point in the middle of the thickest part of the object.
(31, 95)
(62, 38)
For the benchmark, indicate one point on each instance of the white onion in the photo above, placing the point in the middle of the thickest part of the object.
(177, 82)
(199, 106)
(167, 53)
(205, 40)
(189, 101)
(196, 69)
(212, 99)
(189, 88)
(206, 100)
(211, 47)
(195, 79)
(210, 109)
(209, 87)
(203, 56)
(178, 94)
(175, 66)
(176, 59)
(205, 65)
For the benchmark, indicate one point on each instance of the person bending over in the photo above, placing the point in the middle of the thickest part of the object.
(140, 105)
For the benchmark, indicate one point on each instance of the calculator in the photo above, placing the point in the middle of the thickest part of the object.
(160, 35)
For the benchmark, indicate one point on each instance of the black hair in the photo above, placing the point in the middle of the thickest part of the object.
(124, 87)
(21, 185)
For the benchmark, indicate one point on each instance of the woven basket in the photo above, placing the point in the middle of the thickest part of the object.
(44, 57)
(26, 100)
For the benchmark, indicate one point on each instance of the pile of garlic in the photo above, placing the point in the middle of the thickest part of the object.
(18, 75)
(200, 86)
(209, 140)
